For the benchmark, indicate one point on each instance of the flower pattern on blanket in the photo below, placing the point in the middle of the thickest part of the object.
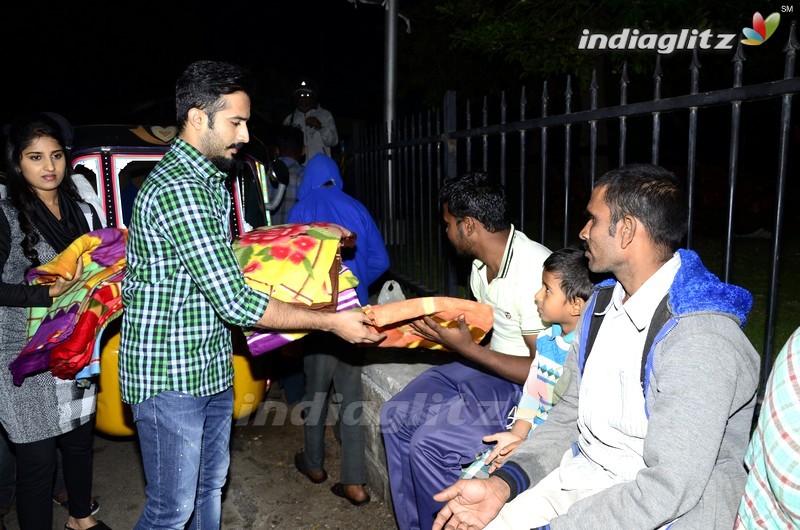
(62, 337)
(295, 263)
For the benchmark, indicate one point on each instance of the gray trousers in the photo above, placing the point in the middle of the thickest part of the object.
(331, 363)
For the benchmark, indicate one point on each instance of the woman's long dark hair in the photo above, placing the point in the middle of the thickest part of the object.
(22, 134)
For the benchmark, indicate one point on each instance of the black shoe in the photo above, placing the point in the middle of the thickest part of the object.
(300, 465)
(338, 490)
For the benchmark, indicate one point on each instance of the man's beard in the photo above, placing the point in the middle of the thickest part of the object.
(463, 253)
(224, 163)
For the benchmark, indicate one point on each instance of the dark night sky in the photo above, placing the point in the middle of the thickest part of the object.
(96, 62)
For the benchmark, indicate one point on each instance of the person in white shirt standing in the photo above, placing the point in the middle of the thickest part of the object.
(319, 129)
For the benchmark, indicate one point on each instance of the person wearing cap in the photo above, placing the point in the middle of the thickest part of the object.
(319, 129)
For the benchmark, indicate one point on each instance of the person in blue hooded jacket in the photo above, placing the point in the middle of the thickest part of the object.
(329, 361)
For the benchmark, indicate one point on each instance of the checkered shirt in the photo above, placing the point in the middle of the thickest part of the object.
(772, 495)
(183, 283)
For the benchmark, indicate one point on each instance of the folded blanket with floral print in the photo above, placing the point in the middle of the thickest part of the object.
(395, 318)
(62, 337)
(298, 264)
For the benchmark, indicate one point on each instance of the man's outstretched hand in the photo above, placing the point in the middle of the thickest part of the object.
(471, 503)
(352, 326)
(457, 339)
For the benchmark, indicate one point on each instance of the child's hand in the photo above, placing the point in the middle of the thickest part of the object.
(504, 440)
(504, 454)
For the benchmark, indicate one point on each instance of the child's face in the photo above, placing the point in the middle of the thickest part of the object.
(554, 307)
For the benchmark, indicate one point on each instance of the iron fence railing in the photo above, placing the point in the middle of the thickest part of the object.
(397, 176)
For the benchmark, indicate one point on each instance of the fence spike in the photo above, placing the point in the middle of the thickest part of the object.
(545, 99)
(791, 43)
(568, 94)
(694, 68)
(503, 106)
(593, 90)
(790, 51)
(522, 103)
(657, 74)
(623, 84)
(430, 126)
(738, 64)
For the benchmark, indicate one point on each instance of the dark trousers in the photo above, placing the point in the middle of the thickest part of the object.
(333, 363)
(8, 473)
(36, 465)
(434, 426)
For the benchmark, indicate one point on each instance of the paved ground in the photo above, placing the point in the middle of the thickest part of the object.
(264, 489)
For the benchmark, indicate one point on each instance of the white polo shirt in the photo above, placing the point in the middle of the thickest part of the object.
(511, 293)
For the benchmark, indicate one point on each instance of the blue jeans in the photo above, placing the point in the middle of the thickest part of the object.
(185, 451)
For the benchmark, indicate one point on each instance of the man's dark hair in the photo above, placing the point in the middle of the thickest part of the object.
(475, 195)
(571, 267)
(202, 86)
(654, 196)
(289, 140)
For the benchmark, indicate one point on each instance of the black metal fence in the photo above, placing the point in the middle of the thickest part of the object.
(548, 165)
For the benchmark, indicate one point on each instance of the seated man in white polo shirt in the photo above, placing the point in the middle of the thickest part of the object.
(435, 425)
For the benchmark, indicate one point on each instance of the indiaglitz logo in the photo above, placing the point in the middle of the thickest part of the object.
(761, 30)
(685, 39)
(664, 43)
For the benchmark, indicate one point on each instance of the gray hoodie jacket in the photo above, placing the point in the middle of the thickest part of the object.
(700, 392)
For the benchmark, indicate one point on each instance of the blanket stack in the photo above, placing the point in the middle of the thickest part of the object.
(62, 337)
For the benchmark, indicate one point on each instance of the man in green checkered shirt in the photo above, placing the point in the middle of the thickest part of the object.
(183, 287)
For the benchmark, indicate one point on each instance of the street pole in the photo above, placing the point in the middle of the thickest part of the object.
(390, 89)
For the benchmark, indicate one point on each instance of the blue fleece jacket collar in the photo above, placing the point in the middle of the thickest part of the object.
(695, 290)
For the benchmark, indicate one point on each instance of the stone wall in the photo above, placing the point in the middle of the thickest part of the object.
(386, 372)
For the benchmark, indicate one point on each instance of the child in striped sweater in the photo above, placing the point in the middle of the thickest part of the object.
(566, 285)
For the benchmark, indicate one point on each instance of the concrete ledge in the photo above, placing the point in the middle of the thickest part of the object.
(385, 373)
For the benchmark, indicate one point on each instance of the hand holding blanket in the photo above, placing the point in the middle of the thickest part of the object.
(394, 319)
(61, 337)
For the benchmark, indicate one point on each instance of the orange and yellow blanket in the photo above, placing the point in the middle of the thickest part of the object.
(395, 318)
